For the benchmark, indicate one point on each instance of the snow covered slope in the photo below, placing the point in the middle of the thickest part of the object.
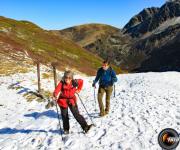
(144, 105)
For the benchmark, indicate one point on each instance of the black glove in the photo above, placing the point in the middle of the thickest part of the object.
(75, 83)
(93, 85)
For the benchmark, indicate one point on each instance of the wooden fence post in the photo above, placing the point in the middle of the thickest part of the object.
(39, 78)
(55, 76)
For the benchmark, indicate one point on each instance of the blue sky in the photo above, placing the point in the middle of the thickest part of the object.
(60, 14)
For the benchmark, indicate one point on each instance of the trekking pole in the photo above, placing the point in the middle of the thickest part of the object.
(85, 109)
(114, 90)
(60, 129)
(95, 98)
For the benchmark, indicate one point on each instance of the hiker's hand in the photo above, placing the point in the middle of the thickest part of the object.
(50, 104)
(112, 83)
(54, 98)
(77, 91)
(94, 85)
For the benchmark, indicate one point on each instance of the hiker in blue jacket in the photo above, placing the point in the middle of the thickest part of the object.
(106, 77)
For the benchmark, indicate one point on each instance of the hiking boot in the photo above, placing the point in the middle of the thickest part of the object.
(66, 132)
(102, 114)
(87, 128)
(106, 112)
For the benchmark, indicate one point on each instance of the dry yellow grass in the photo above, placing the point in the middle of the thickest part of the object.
(47, 75)
(10, 66)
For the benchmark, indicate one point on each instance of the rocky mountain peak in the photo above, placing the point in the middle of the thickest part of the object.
(151, 18)
(141, 17)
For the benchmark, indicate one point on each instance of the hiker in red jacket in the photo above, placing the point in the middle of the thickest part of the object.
(64, 93)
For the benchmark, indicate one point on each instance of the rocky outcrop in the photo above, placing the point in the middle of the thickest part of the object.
(151, 18)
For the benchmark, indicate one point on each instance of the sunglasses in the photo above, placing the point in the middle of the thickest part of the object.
(68, 78)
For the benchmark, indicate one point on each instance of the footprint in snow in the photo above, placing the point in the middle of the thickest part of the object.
(178, 117)
(68, 141)
(99, 135)
(49, 141)
(178, 110)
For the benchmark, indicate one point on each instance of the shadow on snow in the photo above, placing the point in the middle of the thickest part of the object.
(37, 115)
(26, 131)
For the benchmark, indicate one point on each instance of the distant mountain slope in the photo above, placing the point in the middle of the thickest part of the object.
(87, 34)
(163, 51)
(92, 37)
(44, 46)
(159, 39)
(148, 42)
(150, 36)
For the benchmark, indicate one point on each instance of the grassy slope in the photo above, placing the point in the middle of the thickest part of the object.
(87, 33)
(45, 46)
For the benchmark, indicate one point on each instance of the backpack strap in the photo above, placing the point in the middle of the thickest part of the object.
(74, 83)
(62, 82)
(111, 72)
(102, 73)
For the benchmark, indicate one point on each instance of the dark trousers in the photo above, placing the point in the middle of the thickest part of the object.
(65, 117)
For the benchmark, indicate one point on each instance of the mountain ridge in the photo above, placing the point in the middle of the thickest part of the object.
(149, 31)
(45, 47)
